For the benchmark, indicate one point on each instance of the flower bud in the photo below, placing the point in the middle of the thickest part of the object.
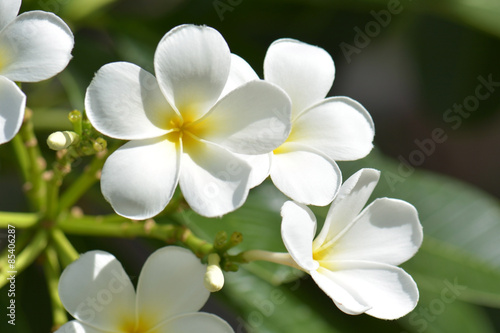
(61, 140)
(214, 278)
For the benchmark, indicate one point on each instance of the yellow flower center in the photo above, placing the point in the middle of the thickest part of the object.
(324, 251)
(185, 130)
(283, 148)
(143, 326)
(2, 60)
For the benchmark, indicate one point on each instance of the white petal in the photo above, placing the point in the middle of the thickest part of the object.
(171, 283)
(260, 164)
(8, 11)
(304, 71)
(139, 178)
(305, 177)
(77, 327)
(252, 119)
(297, 231)
(195, 322)
(338, 127)
(124, 101)
(12, 105)
(241, 72)
(345, 297)
(214, 181)
(387, 231)
(389, 291)
(95, 290)
(352, 196)
(192, 65)
(37, 46)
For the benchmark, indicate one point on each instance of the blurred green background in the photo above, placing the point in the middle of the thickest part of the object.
(415, 65)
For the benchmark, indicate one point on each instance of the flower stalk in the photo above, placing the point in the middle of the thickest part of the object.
(261, 255)
(27, 255)
(52, 272)
(32, 162)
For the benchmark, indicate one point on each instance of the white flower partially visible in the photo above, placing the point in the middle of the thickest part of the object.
(34, 46)
(324, 130)
(354, 257)
(97, 292)
(187, 125)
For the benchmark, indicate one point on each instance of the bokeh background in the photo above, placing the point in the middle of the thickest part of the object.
(411, 63)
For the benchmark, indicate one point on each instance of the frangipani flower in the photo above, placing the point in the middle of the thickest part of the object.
(354, 257)
(180, 120)
(97, 292)
(324, 130)
(34, 46)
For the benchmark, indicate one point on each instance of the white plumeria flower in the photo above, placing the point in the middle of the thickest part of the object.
(324, 130)
(354, 257)
(34, 46)
(97, 292)
(180, 120)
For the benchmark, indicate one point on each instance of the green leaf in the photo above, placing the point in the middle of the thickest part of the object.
(438, 267)
(438, 314)
(265, 308)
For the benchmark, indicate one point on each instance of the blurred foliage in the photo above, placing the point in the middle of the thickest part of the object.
(451, 43)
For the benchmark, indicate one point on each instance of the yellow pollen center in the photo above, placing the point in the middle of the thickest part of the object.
(2, 60)
(130, 326)
(283, 148)
(184, 131)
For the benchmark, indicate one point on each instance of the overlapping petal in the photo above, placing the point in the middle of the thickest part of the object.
(297, 230)
(192, 66)
(387, 231)
(139, 178)
(170, 284)
(304, 71)
(260, 167)
(8, 11)
(240, 72)
(13, 103)
(213, 180)
(304, 176)
(195, 322)
(349, 202)
(35, 46)
(387, 290)
(345, 297)
(339, 127)
(124, 101)
(252, 119)
(96, 291)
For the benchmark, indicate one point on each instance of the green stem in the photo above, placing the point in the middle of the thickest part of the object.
(52, 272)
(22, 156)
(19, 220)
(65, 249)
(170, 233)
(35, 185)
(25, 257)
(88, 178)
(21, 241)
(260, 255)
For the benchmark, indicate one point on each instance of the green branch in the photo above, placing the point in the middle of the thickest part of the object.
(65, 249)
(52, 272)
(25, 257)
(88, 178)
(124, 228)
(18, 220)
(32, 163)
